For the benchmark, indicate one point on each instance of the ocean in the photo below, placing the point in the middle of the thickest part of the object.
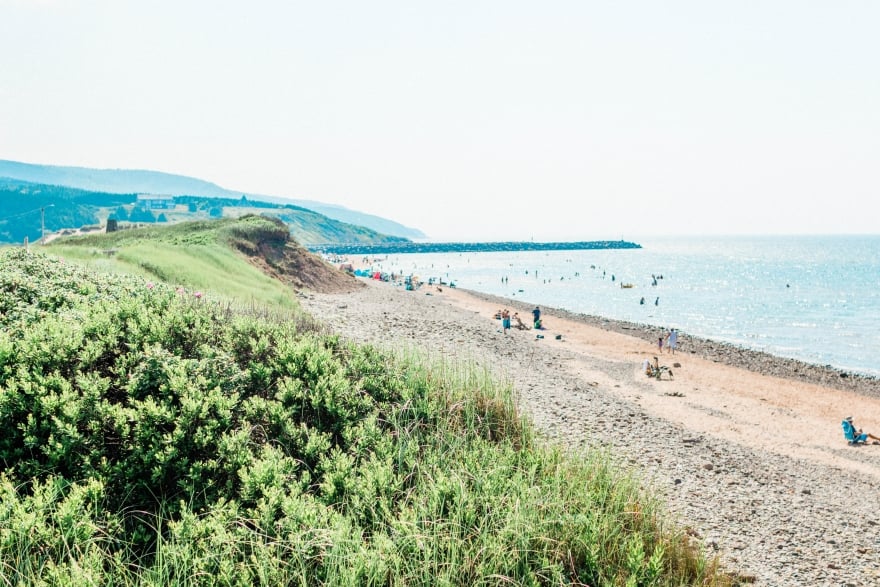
(812, 298)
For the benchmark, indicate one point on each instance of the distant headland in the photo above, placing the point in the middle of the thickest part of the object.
(487, 247)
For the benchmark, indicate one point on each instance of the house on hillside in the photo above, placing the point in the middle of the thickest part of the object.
(155, 202)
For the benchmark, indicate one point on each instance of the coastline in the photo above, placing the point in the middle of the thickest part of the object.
(721, 352)
(753, 463)
(803, 298)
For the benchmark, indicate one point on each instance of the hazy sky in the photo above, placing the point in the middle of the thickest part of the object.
(471, 120)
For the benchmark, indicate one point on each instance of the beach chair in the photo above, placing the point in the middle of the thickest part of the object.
(663, 369)
(851, 434)
(657, 370)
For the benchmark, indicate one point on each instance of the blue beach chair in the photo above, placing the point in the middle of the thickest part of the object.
(852, 435)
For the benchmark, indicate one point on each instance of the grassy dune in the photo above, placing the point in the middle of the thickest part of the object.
(196, 255)
(156, 437)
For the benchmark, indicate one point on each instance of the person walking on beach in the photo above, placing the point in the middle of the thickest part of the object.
(505, 321)
(671, 340)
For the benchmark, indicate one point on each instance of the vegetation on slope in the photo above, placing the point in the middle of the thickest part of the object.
(152, 437)
(208, 255)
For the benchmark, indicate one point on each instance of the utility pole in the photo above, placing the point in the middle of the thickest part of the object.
(43, 223)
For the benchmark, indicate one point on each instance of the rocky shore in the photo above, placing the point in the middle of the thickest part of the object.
(744, 448)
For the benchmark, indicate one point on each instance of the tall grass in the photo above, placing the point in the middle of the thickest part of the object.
(194, 255)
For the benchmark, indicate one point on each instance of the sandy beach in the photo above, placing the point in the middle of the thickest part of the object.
(746, 449)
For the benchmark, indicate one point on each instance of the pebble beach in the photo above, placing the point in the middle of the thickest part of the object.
(745, 449)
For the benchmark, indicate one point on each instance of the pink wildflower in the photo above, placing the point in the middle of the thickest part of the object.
(198, 295)
(149, 285)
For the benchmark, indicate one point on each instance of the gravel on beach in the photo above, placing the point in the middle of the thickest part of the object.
(771, 518)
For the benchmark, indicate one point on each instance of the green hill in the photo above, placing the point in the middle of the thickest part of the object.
(131, 181)
(250, 260)
(30, 209)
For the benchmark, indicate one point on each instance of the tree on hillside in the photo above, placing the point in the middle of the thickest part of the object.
(139, 214)
(121, 213)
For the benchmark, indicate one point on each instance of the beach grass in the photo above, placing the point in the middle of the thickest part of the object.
(209, 268)
(158, 438)
(195, 255)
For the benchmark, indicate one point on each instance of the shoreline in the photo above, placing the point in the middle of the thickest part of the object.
(792, 317)
(753, 465)
(730, 354)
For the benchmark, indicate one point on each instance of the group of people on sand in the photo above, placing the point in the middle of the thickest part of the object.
(507, 321)
(670, 341)
(655, 369)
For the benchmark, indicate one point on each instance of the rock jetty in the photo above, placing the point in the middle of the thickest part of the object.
(371, 249)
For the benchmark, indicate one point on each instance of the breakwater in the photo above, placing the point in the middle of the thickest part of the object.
(488, 247)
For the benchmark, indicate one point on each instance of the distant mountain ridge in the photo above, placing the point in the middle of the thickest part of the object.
(128, 181)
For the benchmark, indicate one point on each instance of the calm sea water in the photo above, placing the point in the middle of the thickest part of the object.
(816, 299)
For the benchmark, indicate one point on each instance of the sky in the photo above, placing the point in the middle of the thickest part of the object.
(473, 119)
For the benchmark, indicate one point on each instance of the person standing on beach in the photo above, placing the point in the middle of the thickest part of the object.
(671, 340)
(505, 321)
(536, 314)
(660, 345)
